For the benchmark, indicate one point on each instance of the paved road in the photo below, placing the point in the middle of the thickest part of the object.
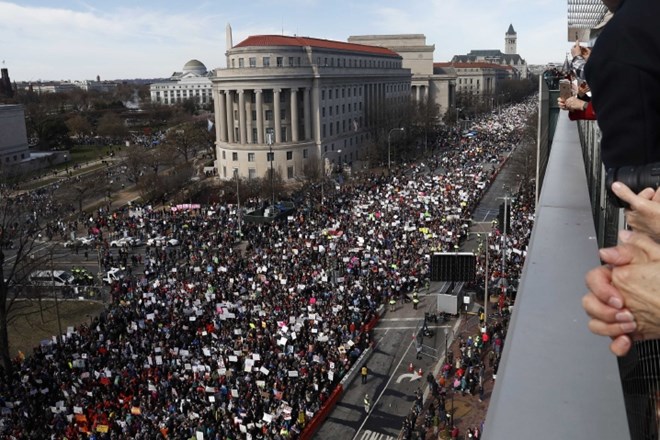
(390, 385)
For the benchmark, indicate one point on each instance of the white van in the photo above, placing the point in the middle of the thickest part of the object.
(57, 278)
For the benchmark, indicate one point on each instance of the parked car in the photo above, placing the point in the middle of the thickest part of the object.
(56, 278)
(126, 242)
(162, 241)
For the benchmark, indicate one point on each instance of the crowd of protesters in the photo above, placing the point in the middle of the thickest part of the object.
(475, 357)
(221, 341)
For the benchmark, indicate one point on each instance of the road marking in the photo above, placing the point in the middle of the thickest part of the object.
(371, 435)
(400, 319)
(409, 328)
(373, 404)
(412, 376)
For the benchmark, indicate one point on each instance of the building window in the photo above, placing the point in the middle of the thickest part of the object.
(289, 155)
(269, 115)
(232, 63)
(254, 115)
(250, 157)
(234, 157)
(280, 61)
(283, 134)
(282, 114)
(254, 136)
(224, 171)
(323, 131)
(224, 155)
(290, 61)
(266, 61)
(322, 94)
(323, 111)
(330, 94)
(304, 153)
(268, 96)
(289, 172)
(253, 61)
(241, 62)
(252, 173)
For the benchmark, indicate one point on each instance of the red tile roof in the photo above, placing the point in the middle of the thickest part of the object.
(281, 40)
(478, 64)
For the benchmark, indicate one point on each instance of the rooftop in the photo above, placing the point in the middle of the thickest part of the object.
(281, 40)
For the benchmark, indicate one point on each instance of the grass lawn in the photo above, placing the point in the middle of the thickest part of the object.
(27, 329)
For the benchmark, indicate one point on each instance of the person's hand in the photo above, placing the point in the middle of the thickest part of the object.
(574, 103)
(643, 214)
(561, 103)
(604, 305)
(585, 52)
(576, 49)
(583, 89)
(632, 278)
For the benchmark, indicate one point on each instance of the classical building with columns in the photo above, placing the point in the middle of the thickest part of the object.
(311, 101)
(427, 83)
(191, 83)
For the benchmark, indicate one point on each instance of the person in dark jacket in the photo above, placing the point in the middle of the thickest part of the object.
(623, 72)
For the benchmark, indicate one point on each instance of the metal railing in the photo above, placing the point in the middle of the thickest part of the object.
(557, 380)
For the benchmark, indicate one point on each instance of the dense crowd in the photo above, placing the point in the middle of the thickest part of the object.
(221, 341)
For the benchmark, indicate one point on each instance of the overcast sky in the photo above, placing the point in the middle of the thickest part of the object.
(117, 39)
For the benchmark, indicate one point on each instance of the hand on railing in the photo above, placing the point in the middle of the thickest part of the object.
(624, 295)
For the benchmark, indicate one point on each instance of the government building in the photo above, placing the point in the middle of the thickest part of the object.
(192, 82)
(309, 101)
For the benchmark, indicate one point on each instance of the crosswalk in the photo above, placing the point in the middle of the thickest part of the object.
(370, 435)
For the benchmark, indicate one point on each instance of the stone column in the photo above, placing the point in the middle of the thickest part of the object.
(307, 115)
(229, 94)
(276, 115)
(241, 116)
(294, 115)
(221, 125)
(248, 121)
(260, 116)
(315, 110)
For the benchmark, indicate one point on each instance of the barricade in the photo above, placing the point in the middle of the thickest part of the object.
(319, 418)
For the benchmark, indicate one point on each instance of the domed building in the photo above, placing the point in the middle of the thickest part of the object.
(193, 82)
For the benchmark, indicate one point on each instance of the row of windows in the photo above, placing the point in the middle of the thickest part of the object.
(251, 157)
(357, 91)
(15, 158)
(321, 61)
(346, 125)
(352, 107)
(252, 173)
(341, 62)
(185, 86)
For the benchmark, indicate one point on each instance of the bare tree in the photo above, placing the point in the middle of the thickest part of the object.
(20, 253)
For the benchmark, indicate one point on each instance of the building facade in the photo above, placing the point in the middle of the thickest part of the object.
(14, 147)
(309, 101)
(193, 82)
(509, 58)
(427, 83)
(477, 78)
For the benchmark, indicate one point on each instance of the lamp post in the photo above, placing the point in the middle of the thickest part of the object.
(478, 234)
(389, 147)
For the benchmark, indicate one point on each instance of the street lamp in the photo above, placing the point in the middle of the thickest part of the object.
(389, 147)
(486, 275)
